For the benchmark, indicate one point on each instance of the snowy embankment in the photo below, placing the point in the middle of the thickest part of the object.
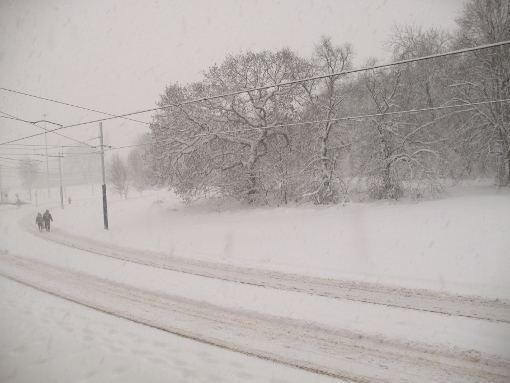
(453, 246)
(457, 244)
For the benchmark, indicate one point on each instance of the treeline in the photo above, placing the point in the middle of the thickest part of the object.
(379, 134)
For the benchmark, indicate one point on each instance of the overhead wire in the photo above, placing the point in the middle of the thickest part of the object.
(43, 146)
(67, 104)
(345, 118)
(40, 147)
(14, 160)
(358, 117)
(46, 130)
(22, 154)
(201, 99)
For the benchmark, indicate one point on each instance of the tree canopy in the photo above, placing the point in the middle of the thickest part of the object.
(250, 131)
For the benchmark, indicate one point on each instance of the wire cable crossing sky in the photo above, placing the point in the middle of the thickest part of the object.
(429, 57)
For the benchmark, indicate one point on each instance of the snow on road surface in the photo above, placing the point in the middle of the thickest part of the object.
(343, 354)
(375, 293)
(337, 322)
(48, 339)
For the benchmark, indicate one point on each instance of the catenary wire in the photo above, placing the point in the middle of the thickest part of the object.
(359, 117)
(15, 160)
(380, 66)
(46, 130)
(67, 104)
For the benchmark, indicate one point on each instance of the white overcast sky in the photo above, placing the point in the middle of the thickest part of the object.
(118, 56)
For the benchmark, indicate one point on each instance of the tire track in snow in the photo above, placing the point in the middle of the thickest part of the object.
(365, 292)
(342, 354)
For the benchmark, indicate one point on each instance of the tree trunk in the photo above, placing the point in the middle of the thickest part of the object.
(326, 192)
(252, 177)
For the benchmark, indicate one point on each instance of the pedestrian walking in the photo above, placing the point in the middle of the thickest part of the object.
(47, 218)
(39, 220)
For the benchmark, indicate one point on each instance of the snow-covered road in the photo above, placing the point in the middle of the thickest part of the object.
(349, 330)
(339, 353)
(414, 299)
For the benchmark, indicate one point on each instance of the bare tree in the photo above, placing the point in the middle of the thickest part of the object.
(118, 176)
(485, 76)
(218, 145)
(324, 104)
(399, 151)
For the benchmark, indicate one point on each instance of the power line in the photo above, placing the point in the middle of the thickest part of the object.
(358, 117)
(24, 154)
(38, 147)
(35, 124)
(438, 55)
(67, 104)
(128, 146)
(17, 161)
(41, 146)
(8, 118)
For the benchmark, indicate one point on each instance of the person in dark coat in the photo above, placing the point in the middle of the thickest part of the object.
(47, 218)
(39, 220)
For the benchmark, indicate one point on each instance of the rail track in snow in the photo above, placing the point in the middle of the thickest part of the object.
(343, 354)
(372, 293)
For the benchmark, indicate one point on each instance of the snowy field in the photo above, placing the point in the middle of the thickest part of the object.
(457, 246)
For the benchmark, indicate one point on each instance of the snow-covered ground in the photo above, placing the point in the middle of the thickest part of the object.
(454, 247)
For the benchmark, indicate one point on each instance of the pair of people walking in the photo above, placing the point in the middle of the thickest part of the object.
(44, 220)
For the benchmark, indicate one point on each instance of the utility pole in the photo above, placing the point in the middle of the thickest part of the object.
(65, 192)
(1, 189)
(47, 165)
(105, 207)
(60, 174)
(30, 179)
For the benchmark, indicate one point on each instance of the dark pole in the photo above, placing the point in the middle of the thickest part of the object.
(30, 179)
(60, 174)
(47, 165)
(105, 206)
(1, 189)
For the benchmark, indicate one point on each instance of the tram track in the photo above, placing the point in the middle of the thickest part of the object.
(423, 300)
